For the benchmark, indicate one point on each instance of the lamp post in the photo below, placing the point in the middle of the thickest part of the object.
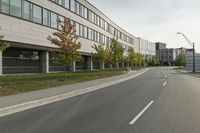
(191, 44)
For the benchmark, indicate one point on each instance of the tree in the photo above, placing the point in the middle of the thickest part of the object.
(101, 53)
(66, 40)
(181, 60)
(131, 55)
(140, 58)
(117, 51)
(3, 45)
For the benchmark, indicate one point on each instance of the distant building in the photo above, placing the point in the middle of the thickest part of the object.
(167, 56)
(183, 50)
(146, 47)
(160, 45)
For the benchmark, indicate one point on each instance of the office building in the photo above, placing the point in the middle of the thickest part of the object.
(26, 24)
(146, 47)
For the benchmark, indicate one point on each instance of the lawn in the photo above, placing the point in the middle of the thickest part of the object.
(181, 68)
(198, 73)
(14, 84)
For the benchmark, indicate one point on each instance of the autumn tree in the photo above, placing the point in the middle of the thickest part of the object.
(3, 45)
(117, 51)
(140, 58)
(131, 56)
(66, 39)
(100, 53)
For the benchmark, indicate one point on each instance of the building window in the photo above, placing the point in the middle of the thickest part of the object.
(61, 2)
(72, 6)
(85, 13)
(98, 20)
(54, 20)
(26, 10)
(95, 19)
(46, 17)
(101, 38)
(81, 12)
(92, 17)
(106, 26)
(81, 31)
(98, 37)
(15, 7)
(77, 5)
(5, 6)
(77, 29)
(102, 23)
(37, 14)
(89, 15)
(21, 61)
(85, 32)
(111, 29)
(94, 36)
(61, 19)
(89, 33)
(67, 4)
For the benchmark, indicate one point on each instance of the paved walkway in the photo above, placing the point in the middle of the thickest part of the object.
(40, 94)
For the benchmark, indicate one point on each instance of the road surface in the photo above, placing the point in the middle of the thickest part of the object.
(161, 100)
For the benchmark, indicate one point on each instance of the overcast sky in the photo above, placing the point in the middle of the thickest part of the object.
(156, 20)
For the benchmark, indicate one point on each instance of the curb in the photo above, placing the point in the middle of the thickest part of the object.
(196, 75)
(32, 104)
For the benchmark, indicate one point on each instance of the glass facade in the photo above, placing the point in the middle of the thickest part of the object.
(26, 10)
(54, 20)
(15, 7)
(32, 12)
(37, 14)
(60, 18)
(21, 61)
(67, 4)
(46, 17)
(5, 6)
(72, 5)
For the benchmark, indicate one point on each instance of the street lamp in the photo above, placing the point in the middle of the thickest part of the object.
(191, 44)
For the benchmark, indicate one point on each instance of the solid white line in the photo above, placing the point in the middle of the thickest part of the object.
(32, 104)
(164, 84)
(140, 114)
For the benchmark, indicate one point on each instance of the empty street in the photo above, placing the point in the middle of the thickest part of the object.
(161, 100)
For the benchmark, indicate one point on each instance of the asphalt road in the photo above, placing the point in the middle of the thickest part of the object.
(159, 101)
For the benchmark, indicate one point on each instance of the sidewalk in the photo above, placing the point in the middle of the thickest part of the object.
(196, 75)
(41, 94)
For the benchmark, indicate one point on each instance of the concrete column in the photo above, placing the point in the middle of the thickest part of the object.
(102, 66)
(110, 66)
(1, 63)
(128, 64)
(132, 65)
(117, 65)
(89, 63)
(73, 67)
(122, 64)
(45, 61)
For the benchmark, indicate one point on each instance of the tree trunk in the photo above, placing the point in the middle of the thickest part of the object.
(65, 73)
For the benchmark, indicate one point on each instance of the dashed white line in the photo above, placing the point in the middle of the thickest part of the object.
(165, 76)
(140, 114)
(164, 84)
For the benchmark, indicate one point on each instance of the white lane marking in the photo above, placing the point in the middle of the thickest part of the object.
(32, 104)
(140, 114)
(165, 76)
(164, 84)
